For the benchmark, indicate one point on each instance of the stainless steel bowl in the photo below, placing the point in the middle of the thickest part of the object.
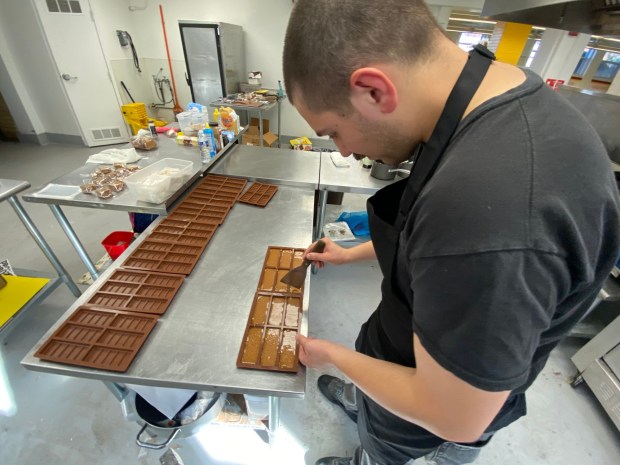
(382, 171)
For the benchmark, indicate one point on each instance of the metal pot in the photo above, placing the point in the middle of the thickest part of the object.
(382, 171)
(404, 169)
(153, 418)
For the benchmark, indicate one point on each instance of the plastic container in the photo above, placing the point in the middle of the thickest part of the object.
(208, 149)
(157, 182)
(199, 119)
(185, 120)
(257, 407)
(203, 145)
(117, 242)
(182, 139)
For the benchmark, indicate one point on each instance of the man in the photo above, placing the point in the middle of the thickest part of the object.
(495, 246)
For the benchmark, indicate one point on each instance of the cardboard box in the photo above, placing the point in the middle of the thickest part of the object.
(252, 135)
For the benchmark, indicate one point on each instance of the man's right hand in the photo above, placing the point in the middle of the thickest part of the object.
(337, 255)
(332, 253)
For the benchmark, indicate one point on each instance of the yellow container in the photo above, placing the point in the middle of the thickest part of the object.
(135, 112)
(136, 125)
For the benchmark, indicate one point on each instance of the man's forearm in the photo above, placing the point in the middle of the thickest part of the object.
(391, 385)
(365, 251)
(454, 412)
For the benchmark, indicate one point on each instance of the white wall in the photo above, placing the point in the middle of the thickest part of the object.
(37, 99)
(559, 54)
(33, 72)
(264, 25)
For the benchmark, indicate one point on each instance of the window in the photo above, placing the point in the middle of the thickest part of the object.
(469, 39)
(609, 67)
(584, 62)
(535, 48)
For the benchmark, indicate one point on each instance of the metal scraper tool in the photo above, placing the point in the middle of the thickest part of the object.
(297, 276)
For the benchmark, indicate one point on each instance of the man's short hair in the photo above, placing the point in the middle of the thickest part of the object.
(326, 40)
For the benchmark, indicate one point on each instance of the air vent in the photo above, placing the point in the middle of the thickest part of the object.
(64, 6)
(106, 133)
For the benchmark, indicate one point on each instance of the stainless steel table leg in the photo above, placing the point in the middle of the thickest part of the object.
(320, 218)
(279, 132)
(77, 245)
(260, 126)
(274, 415)
(118, 391)
(43, 245)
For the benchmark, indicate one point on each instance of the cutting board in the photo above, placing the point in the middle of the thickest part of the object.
(17, 292)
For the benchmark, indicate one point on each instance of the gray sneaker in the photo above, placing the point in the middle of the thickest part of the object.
(333, 388)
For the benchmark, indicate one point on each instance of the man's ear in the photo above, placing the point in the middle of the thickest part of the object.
(372, 92)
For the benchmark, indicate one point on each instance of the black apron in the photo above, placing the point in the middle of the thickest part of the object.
(388, 210)
(388, 334)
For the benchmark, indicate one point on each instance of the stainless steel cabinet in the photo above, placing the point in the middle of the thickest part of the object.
(598, 363)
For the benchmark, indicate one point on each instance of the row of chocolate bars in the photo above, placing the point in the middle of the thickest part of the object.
(110, 328)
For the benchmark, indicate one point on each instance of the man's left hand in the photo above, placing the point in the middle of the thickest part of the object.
(316, 353)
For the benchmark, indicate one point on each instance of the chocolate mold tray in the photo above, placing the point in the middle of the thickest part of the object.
(223, 189)
(269, 340)
(258, 194)
(102, 339)
(137, 291)
(166, 258)
(211, 213)
(223, 181)
(278, 262)
(183, 232)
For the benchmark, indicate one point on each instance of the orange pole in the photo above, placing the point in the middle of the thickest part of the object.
(177, 108)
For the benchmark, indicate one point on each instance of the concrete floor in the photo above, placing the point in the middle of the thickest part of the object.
(70, 421)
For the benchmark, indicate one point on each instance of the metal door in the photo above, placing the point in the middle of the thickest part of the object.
(201, 47)
(74, 43)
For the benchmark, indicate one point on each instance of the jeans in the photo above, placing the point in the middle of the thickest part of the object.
(448, 453)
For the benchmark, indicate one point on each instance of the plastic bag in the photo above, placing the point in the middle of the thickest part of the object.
(339, 231)
(357, 221)
(204, 401)
(195, 106)
(110, 156)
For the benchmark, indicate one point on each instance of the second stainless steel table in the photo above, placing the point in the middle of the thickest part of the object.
(125, 200)
(275, 166)
(354, 180)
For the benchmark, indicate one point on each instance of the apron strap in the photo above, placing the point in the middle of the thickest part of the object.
(478, 63)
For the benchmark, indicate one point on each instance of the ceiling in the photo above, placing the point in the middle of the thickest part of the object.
(469, 20)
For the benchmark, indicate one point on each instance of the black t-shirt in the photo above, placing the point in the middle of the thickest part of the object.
(503, 252)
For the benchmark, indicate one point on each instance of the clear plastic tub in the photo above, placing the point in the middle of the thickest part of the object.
(185, 120)
(257, 407)
(157, 182)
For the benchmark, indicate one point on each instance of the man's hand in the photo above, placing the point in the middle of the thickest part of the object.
(316, 353)
(332, 253)
(336, 255)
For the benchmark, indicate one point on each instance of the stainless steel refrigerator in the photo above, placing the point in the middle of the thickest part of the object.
(214, 58)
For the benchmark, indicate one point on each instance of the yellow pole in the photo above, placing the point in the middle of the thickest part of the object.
(512, 43)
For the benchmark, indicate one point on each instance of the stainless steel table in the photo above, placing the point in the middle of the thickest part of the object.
(260, 110)
(275, 166)
(9, 188)
(354, 179)
(125, 200)
(196, 342)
